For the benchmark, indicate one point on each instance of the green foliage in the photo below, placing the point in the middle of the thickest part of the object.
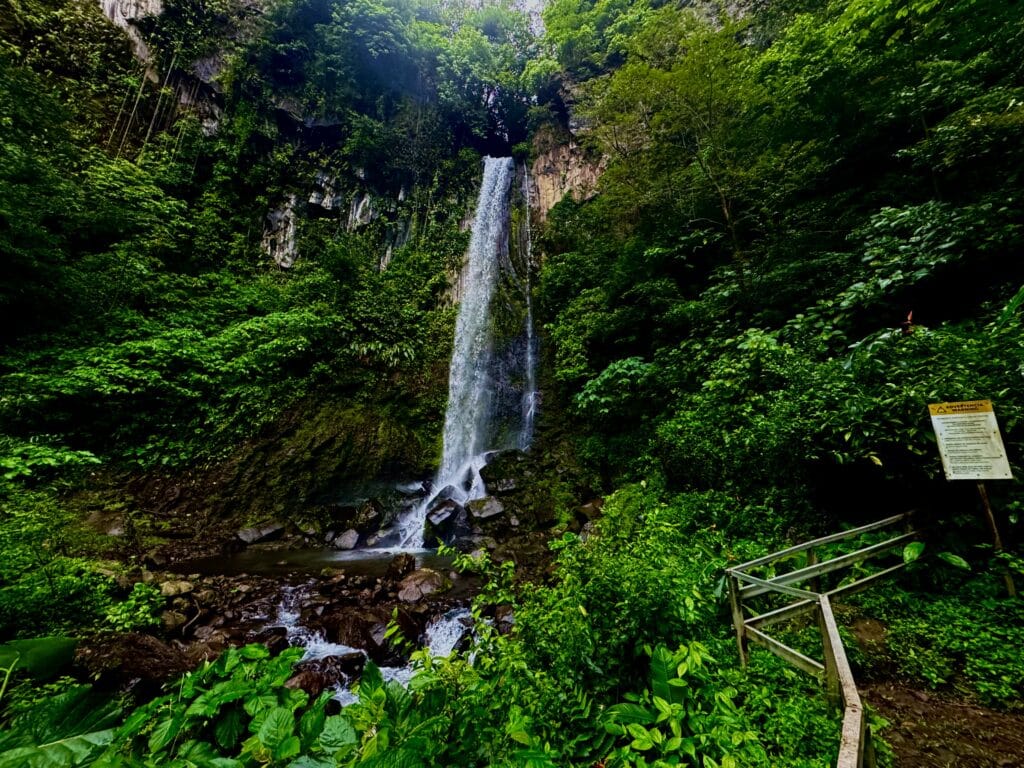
(794, 200)
(136, 326)
(46, 586)
(962, 642)
(19, 460)
(40, 657)
(685, 713)
(138, 611)
(65, 731)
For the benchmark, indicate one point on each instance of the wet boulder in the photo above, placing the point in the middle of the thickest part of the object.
(414, 490)
(269, 531)
(400, 566)
(365, 630)
(370, 516)
(446, 522)
(504, 618)
(590, 511)
(448, 493)
(274, 638)
(347, 540)
(172, 620)
(316, 675)
(421, 584)
(486, 508)
(175, 588)
(506, 472)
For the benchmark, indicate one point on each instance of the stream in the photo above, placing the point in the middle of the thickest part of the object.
(441, 637)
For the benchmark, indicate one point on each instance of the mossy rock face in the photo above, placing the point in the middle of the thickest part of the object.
(530, 490)
(330, 450)
(319, 459)
(508, 472)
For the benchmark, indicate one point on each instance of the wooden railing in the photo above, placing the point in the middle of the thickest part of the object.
(855, 747)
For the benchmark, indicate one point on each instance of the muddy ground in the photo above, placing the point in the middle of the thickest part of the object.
(928, 730)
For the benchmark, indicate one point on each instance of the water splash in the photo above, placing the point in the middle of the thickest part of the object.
(441, 637)
(444, 633)
(315, 644)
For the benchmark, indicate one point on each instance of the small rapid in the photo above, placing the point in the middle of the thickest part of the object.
(441, 637)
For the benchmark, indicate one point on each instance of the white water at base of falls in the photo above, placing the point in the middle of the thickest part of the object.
(441, 637)
(468, 418)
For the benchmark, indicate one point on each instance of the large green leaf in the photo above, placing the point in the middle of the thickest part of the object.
(399, 757)
(629, 713)
(955, 560)
(912, 551)
(289, 747)
(63, 753)
(166, 731)
(337, 734)
(371, 678)
(229, 728)
(76, 713)
(311, 762)
(311, 725)
(663, 670)
(278, 726)
(41, 657)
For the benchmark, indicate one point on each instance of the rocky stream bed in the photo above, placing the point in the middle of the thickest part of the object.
(326, 581)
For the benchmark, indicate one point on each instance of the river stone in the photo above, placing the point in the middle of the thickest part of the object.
(504, 471)
(504, 618)
(400, 567)
(445, 494)
(274, 638)
(412, 490)
(315, 675)
(446, 524)
(369, 516)
(591, 510)
(439, 513)
(347, 540)
(171, 620)
(175, 588)
(420, 584)
(266, 532)
(485, 508)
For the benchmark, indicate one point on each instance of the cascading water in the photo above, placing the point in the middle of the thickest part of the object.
(441, 637)
(530, 390)
(472, 425)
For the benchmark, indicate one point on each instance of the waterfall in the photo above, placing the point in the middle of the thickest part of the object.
(530, 388)
(471, 426)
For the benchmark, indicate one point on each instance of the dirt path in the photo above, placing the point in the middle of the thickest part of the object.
(928, 731)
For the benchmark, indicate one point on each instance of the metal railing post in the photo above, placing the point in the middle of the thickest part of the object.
(737, 616)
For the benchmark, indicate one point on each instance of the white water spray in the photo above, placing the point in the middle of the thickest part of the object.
(441, 637)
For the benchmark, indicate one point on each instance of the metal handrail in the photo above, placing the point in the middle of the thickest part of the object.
(855, 746)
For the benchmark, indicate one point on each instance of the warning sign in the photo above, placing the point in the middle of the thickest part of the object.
(969, 441)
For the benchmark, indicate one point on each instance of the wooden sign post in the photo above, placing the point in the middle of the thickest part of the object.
(972, 449)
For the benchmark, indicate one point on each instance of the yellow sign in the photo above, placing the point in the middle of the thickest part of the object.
(969, 441)
(971, 406)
